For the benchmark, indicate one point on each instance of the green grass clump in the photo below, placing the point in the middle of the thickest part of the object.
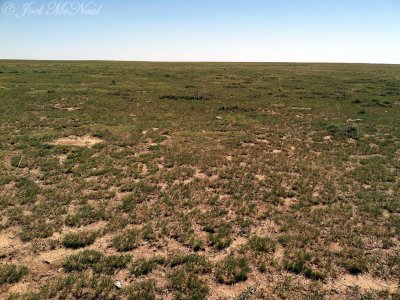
(98, 262)
(333, 129)
(36, 230)
(83, 260)
(79, 240)
(354, 261)
(299, 264)
(126, 241)
(261, 244)
(232, 270)
(343, 131)
(193, 262)
(148, 232)
(86, 215)
(128, 204)
(28, 190)
(144, 290)
(85, 285)
(222, 238)
(10, 273)
(143, 267)
(187, 286)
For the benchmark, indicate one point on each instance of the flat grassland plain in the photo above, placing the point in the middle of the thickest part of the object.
(199, 181)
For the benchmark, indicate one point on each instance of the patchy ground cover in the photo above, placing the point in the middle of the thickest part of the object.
(199, 181)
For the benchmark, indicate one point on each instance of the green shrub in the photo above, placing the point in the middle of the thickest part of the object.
(79, 240)
(128, 204)
(351, 132)
(261, 244)
(222, 238)
(12, 273)
(85, 286)
(83, 260)
(36, 230)
(395, 224)
(354, 261)
(332, 128)
(86, 215)
(196, 244)
(232, 270)
(193, 262)
(28, 190)
(314, 275)
(145, 290)
(187, 286)
(148, 232)
(298, 265)
(362, 112)
(357, 101)
(143, 267)
(90, 259)
(126, 241)
(109, 264)
(355, 266)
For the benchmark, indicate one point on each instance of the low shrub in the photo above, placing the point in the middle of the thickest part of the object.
(126, 241)
(79, 240)
(187, 286)
(232, 270)
(193, 262)
(143, 267)
(11, 273)
(261, 244)
(98, 262)
(222, 238)
(145, 290)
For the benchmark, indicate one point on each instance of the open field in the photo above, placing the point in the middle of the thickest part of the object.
(199, 181)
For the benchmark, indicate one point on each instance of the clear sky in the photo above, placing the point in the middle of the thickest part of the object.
(203, 30)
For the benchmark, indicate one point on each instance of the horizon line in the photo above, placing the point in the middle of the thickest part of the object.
(198, 61)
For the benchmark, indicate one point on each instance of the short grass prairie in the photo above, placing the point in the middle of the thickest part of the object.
(199, 180)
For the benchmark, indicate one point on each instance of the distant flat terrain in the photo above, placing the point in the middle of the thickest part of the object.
(123, 180)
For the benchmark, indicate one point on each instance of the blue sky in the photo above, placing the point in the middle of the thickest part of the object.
(205, 30)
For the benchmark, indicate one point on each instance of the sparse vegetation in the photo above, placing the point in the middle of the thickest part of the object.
(207, 175)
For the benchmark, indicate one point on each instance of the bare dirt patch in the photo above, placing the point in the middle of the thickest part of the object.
(279, 254)
(5, 242)
(364, 282)
(67, 108)
(327, 138)
(259, 177)
(335, 247)
(83, 141)
(62, 158)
